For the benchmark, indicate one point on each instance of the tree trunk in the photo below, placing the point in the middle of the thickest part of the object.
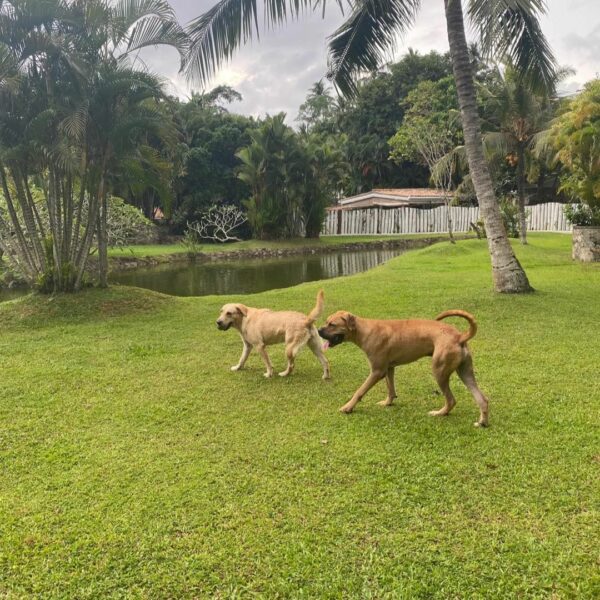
(521, 193)
(507, 273)
(103, 238)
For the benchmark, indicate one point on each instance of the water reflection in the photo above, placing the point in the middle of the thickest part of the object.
(251, 276)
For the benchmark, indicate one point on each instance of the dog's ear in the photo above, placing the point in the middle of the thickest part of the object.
(243, 310)
(350, 322)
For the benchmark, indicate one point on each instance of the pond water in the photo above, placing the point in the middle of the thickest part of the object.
(250, 276)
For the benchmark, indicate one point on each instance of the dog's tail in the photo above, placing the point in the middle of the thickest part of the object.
(467, 335)
(317, 311)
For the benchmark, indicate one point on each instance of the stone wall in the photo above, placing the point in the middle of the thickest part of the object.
(124, 263)
(586, 244)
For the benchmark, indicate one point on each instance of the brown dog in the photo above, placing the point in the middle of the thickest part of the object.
(388, 344)
(260, 327)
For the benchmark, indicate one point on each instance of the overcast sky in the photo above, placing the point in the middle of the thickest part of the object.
(274, 73)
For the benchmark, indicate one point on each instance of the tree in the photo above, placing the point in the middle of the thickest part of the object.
(271, 168)
(576, 137)
(429, 131)
(507, 29)
(323, 168)
(516, 114)
(318, 110)
(218, 224)
(76, 111)
(210, 137)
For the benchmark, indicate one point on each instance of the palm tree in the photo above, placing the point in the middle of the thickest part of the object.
(507, 29)
(75, 107)
(271, 166)
(518, 114)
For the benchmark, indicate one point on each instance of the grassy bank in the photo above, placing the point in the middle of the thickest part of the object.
(133, 463)
(147, 250)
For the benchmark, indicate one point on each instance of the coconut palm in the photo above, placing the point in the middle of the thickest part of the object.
(507, 29)
(517, 114)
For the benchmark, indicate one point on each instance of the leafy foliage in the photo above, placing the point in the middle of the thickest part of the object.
(77, 116)
(576, 138)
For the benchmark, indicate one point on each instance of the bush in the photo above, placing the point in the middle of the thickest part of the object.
(582, 215)
(127, 225)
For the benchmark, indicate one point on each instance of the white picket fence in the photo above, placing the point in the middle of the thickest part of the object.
(372, 221)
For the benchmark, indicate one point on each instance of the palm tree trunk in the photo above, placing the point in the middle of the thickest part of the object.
(521, 193)
(507, 273)
(103, 238)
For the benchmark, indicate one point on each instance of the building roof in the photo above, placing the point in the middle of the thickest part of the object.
(393, 197)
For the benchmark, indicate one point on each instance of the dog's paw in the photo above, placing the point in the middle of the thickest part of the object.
(385, 403)
(326, 376)
(236, 368)
(480, 424)
(283, 374)
(268, 374)
(437, 413)
(346, 409)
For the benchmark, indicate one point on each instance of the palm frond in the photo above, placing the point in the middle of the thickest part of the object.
(219, 32)
(74, 125)
(367, 36)
(496, 143)
(510, 31)
(153, 31)
(453, 161)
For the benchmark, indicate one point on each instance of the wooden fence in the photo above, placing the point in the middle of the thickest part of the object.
(363, 221)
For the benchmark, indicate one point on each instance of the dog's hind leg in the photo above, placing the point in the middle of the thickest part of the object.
(389, 379)
(263, 353)
(465, 372)
(291, 350)
(314, 343)
(245, 353)
(444, 364)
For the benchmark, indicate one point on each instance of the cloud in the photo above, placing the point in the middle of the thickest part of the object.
(274, 73)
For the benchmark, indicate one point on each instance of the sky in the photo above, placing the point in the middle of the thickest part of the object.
(274, 73)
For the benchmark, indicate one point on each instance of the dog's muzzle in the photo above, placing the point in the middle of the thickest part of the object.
(334, 340)
(222, 326)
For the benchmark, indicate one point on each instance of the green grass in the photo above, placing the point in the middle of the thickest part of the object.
(134, 464)
(145, 250)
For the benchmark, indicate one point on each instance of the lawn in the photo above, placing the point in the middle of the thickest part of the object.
(146, 250)
(134, 464)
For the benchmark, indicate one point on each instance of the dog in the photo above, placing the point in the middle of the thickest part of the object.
(389, 343)
(260, 327)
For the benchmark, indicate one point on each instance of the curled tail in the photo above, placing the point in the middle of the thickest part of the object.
(467, 335)
(317, 311)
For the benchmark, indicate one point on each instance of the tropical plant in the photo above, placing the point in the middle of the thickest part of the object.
(575, 136)
(75, 109)
(323, 168)
(317, 112)
(127, 225)
(517, 115)
(508, 29)
(206, 154)
(272, 170)
(429, 131)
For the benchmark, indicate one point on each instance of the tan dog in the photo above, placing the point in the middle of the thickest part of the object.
(388, 344)
(260, 327)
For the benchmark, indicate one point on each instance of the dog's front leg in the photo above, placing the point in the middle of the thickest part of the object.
(389, 379)
(371, 380)
(263, 352)
(245, 353)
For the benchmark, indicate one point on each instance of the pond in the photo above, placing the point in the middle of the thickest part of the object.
(251, 276)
